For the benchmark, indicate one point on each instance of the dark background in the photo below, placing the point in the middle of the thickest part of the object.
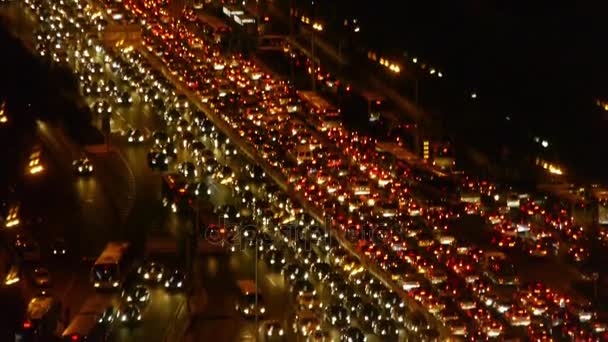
(541, 63)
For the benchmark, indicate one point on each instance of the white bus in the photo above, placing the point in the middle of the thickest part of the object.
(326, 116)
(109, 269)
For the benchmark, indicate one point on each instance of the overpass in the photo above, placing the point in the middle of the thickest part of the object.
(271, 42)
(122, 34)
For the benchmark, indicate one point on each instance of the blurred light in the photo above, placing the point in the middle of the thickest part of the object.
(545, 143)
(415, 60)
(357, 29)
(473, 95)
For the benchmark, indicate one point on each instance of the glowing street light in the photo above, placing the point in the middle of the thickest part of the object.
(317, 26)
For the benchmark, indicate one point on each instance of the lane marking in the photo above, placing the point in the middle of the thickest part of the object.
(272, 281)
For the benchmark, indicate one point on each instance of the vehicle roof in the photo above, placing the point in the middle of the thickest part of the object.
(39, 306)
(247, 286)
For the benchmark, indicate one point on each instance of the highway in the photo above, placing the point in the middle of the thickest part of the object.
(121, 200)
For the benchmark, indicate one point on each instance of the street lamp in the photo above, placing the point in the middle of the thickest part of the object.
(313, 72)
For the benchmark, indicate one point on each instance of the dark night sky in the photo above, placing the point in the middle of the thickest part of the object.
(543, 63)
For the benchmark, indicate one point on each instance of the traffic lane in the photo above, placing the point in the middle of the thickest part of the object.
(14, 303)
(51, 211)
(93, 204)
(218, 272)
(156, 318)
(279, 180)
(554, 272)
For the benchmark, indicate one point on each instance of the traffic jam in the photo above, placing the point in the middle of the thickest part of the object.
(364, 254)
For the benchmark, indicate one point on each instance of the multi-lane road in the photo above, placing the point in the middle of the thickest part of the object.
(121, 201)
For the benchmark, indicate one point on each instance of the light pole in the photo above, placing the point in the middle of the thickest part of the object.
(291, 66)
(255, 267)
(313, 72)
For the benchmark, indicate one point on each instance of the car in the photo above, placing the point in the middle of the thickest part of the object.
(151, 272)
(246, 305)
(160, 138)
(386, 329)
(367, 314)
(301, 287)
(188, 169)
(135, 136)
(306, 323)
(310, 257)
(108, 316)
(272, 330)
(352, 334)
(175, 280)
(138, 295)
(293, 272)
(319, 336)
(124, 99)
(102, 108)
(337, 316)
(275, 259)
(309, 301)
(42, 277)
(59, 247)
(158, 160)
(83, 166)
(320, 271)
(130, 314)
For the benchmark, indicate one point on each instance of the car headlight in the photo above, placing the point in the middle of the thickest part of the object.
(263, 309)
(141, 138)
(115, 284)
(179, 284)
(129, 299)
(123, 318)
(142, 299)
(146, 275)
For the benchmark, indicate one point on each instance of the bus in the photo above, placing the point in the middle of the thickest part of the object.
(175, 194)
(326, 115)
(41, 319)
(93, 322)
(110, 268)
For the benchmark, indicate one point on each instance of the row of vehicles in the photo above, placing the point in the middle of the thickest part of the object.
(358, 191)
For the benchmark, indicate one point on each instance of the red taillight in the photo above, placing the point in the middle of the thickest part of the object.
(27, 324)
(74, 337)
